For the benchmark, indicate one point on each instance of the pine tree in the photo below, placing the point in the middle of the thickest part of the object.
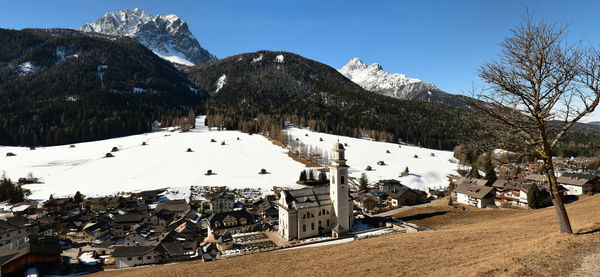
(534, 197)
(302, 176)
(322, 176)
(490, 172)
(363, 182)
(77, 198)
(311, 175)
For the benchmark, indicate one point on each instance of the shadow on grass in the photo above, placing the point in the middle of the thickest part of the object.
(595, 229)
(421, 216)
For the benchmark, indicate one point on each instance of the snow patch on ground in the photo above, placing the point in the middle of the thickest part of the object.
(26, 68)
(279, 58)
(221, 82)
(99, 68)
(255, 60)
(138, 90)
(174, 58)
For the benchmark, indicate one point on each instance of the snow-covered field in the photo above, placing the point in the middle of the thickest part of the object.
(164, 162)
(426, 171)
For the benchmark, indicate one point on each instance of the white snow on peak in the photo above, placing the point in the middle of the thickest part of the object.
(168, 36)
(220, 82)
(25, 68)
(279, 58)
(255, 60)
(374, 78)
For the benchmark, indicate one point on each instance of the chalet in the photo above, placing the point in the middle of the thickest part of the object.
(58, 204)
(40, 252)
(223, 202)
(179, 206)
(536, 178)
(403, 196)
(128, 256)
(176, 251)
(266, 209)
(14, 228)
(387, 185)
(366, 201)
(510, 193)
(474, 195)
(231, 222)
(123, 224)
(225, 242)
(101, 203)
(163, 217)
(578, 183)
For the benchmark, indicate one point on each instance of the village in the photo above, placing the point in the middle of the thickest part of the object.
(81, 235)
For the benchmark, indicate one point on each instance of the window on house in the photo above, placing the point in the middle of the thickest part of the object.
(139, 258)
(303, 227)
(129, 258)
(149, 257)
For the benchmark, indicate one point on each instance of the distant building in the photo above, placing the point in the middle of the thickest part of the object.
(223, 202)
(474, 195)
(128, 256)
(309, 212)
(231, 222)
(578, 183)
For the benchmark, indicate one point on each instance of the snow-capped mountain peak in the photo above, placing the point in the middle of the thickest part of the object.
(168, 36)
(375, 79)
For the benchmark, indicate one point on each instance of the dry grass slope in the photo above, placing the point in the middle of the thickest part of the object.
(463, 243)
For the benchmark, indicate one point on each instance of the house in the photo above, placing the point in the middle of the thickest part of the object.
(225, 242)
(179, 206)
(313, 211)
(177, 251)
(366, 201)
(40, 252)
(58, 204)
(14, 228)
(122, 224)
(223, 202)
(579, 183)
(474, 195)
(266, 209)
(387, 185)
(128, 256)
(403, 196)
(163, 217)
(510, 193)
(101, 203)
(231, 222)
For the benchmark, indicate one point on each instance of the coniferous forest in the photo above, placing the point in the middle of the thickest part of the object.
(61, 86)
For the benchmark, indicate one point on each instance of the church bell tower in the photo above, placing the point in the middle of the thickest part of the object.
(338, 191)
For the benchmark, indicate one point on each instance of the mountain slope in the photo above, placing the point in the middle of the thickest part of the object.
(168, 36)
(284, 86)
(374, 78)
(61, 86)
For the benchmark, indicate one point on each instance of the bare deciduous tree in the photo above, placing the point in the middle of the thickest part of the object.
(539, 86)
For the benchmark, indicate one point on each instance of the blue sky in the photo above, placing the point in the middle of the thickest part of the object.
(443, 42)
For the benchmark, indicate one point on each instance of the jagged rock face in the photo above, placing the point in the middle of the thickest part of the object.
(373, 78)
(168, 36)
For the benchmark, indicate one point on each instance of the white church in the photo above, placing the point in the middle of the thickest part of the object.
(309, 212)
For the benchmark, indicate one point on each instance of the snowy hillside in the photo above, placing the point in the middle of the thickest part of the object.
(164, 162)
(425, 171)
(168, 36)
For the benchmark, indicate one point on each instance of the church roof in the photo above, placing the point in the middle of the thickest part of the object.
(338, 146)
(307, 197)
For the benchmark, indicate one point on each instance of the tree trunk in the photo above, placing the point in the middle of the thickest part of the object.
(559, 207)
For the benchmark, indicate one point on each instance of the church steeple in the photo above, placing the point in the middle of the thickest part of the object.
(338, 190)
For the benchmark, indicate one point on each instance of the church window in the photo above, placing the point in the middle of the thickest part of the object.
(312, 225)
(327, 222)
(342, 180)
(320, 225)
(319, 213)
(303, 227)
